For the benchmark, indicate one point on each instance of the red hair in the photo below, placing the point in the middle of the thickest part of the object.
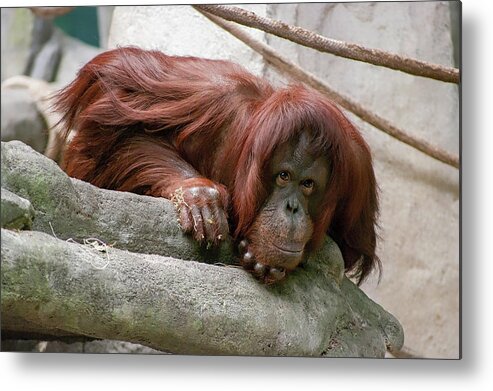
(350, 206)
(226, 123)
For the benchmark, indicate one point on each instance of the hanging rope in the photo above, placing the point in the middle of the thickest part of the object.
(339, 48)
(294, 71)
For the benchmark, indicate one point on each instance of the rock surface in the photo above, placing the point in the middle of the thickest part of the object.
(17, 25)
(45, 65)
(55, 287)
(69, 208)
(17, 212)
(185, 32)
(21, 119)
(96, 346)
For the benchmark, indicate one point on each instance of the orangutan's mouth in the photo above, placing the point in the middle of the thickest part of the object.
(291, 250)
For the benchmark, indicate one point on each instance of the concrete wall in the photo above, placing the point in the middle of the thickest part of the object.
(16, 39)
(419, 196)
(180, 30)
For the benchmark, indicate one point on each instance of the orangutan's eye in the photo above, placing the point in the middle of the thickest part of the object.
(308, 183)
(283, 178)
(307, 186)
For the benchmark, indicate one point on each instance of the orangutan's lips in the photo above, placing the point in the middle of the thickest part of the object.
(293, 250)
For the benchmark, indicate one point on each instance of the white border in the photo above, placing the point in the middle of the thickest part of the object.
(121, 372)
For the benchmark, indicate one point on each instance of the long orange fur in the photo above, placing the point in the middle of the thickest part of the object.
(145, 122)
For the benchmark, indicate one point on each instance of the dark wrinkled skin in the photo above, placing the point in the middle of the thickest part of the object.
(201, 211)
(276, 243)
